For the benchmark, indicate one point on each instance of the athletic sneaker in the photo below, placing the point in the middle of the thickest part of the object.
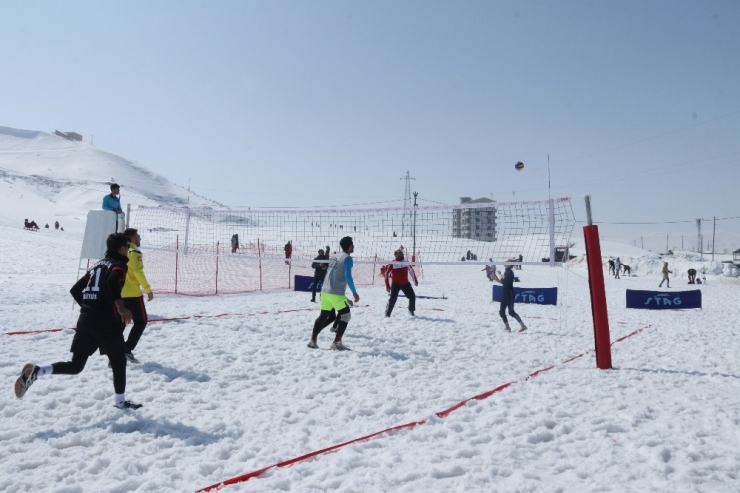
(128, 405)
(522, 328)
(312, 345)
(338, 346)
(334, 329)
(507, 328)
(411, 313)
(131, 358)
(28, 376)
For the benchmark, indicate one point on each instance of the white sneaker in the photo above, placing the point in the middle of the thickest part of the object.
(312, 345)
(131, 358)
(338, 346)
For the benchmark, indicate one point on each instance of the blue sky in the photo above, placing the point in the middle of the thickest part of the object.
(319, 103)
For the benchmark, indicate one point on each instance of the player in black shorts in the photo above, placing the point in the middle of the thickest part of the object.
(100, 325)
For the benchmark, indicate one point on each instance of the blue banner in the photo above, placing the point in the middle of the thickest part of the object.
(538, 296)
(662, 300)
(305, 283)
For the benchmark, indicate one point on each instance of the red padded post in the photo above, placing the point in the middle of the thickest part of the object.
(598, 298)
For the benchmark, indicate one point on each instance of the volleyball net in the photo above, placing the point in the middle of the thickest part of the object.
(204, 251)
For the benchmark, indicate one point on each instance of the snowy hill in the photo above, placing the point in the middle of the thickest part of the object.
(46, 178)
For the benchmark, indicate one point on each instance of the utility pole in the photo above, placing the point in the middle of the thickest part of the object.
(699, 242)
(406, 218)
(714, 231)
(413, 247)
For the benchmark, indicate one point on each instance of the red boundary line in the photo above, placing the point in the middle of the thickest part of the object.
(174, 319)
(441, 414)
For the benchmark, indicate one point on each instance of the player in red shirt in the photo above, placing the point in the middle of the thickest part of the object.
(399, 271)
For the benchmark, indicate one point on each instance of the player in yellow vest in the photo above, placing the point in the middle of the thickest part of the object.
(133, 299)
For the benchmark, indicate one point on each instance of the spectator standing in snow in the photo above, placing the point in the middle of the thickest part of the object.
(56, 224)
(692, 276)
(288, 251)
(665, 276)
(617, 268)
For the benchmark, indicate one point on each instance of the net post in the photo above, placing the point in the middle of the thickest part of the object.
(128, 214)
(177, 252)
(259, 257)
(597, 290)
(218, 251)
(187, 230)
(551, 227)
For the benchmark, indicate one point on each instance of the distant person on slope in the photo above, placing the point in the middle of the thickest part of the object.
(617, 268)
(507, 300)
(399, 271)
(131, 293)
(30, 225)
(692, 276)
(665, 276)
(103, 317)
(338, 278)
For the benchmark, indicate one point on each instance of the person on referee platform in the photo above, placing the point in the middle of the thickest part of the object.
(103, 317)
(398, 271)
(133, 299)
(338, 277)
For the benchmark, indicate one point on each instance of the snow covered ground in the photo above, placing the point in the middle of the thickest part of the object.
(45, 178)
(224, 396)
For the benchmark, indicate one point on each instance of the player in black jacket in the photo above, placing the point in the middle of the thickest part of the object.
(319, 273)
(99, 326)
(507, 300)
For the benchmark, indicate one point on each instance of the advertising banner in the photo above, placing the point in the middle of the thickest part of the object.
(662, 300)
(305, 283)
(538, 296)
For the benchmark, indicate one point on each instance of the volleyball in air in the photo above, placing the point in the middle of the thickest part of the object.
(519, 166)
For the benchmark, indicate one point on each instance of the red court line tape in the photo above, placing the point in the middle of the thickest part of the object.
(24, 332)
(441, 414)
(174, 319)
